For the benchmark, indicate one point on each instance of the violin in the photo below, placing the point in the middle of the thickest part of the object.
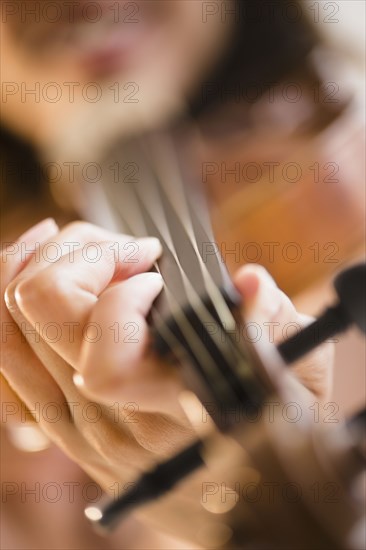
(194, 324)
(153, 186)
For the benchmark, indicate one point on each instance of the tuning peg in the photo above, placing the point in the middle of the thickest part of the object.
(350, 286)
(351, 309)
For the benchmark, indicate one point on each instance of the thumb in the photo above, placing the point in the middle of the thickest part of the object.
(267, 306)
(262, 299)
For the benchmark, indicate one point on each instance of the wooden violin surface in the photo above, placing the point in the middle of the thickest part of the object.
(295, 205)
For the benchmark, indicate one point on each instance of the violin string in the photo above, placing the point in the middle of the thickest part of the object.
(137, 207)
(164, 149)
(163, 329)
(137, 212)
(176, 183)
(200, 351)
(168, 170)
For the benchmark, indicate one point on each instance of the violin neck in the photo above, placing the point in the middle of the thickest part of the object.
(195, 318)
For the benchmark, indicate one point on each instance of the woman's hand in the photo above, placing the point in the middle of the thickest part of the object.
(77, 303)
(61, 317)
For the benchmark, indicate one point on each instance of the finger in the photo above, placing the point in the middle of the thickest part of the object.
(54, 402)
(266, 308)
(11, 264)
(28, 379)
(120, 314)
(315, 370)
(80, 235)
(25, 376)
(14, 256)
(116, 367)
(58, 300)
(275, 319)
(13, 410)
(22, 392)
(15, 351)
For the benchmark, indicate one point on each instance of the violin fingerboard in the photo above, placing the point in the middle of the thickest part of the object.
(195, 316)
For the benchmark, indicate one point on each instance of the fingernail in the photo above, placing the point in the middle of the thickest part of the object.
(153, 244)
(40, 232)
(78, 380)
(151, 277)
(28, 438)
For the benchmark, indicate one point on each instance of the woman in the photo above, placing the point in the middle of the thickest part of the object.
(80, 76)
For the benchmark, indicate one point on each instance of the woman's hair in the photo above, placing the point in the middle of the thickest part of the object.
(271, 39)
(21, 175)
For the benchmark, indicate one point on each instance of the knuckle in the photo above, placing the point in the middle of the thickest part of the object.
(83, 230)
(40, 288)
(107, 251)
(77, 226)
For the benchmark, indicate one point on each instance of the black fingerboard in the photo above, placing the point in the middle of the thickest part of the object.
(151, 191)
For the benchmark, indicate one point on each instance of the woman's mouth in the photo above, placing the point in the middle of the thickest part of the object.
(108, 46)
(101, 40)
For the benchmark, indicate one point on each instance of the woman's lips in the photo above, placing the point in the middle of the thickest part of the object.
(100, 47)
(111, 48)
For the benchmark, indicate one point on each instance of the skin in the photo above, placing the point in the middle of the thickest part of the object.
(170, 47)
(37, 370)
(72, 290)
